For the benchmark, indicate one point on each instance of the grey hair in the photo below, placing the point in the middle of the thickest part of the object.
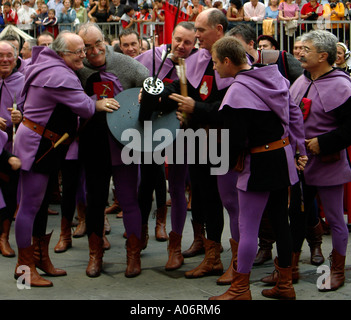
(60, 43)
(323, 41)
(298, 38)
(13, 47)
(31, 43)
(87, 25)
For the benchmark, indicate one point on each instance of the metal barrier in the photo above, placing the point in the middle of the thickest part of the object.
(110, 29)
(341, 29)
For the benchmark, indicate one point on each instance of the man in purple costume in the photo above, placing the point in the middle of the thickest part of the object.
(183, 41)
(54, 99)
(205, 92)
(107, 73)
(11, 85)
(323, 93)
(265, 129)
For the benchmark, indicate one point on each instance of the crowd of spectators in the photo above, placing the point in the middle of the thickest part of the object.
(37, 16)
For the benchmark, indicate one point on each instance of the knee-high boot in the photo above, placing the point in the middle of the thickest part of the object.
(25, 258)
(5, 247)
(133, 256)
(41, 256)
(175, 257)
(96, 253)
(65, 241)
(228, 276)
(211, 265)
(239, 289)
(283, 289)
(337, 272)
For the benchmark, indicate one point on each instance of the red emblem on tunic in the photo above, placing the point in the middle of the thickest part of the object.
(305, 106)
(103, 89)
(206, 87)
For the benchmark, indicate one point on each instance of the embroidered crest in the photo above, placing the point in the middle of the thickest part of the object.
(103, 89)
(206, 87)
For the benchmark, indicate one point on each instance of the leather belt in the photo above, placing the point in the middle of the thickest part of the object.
(39, 129)
(271, 146)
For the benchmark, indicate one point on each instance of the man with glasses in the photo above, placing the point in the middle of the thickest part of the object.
(107, 73)
(324, 95)
(54, 99)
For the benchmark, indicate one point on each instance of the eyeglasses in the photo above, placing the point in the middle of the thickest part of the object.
(78, 52)
(98, 44)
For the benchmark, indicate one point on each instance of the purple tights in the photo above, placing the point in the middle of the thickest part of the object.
(125, 178)
(229, 196)
(32, 188)
(177, 174)
(332, 199)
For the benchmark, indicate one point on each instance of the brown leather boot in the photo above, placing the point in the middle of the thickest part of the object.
(228, 276)
(25, 258)
(96, 253)
(133, 245)
(283, 289)
(175, 257)
(337, 272)
(314, 239)
(65, 241)
(239, 289)
(144, 236)
(41, 256)
(160, 229)
(273, 277)
(5, 247)
(197, 247)
(211, 265)
(264, 252)
(81, 228)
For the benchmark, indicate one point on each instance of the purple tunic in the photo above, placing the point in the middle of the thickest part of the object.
(49, 81)
(146, 59)
(10, 87)
(196, 65)
(24, 63)
(3, 141)
(265, 89)
(327, 93)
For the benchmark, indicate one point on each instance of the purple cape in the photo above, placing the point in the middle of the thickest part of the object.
(49, 82)
(196, 65)
(10, 87)
(3, 141)
(146, 59)
(341, 89)
(327, 93)
(265, 89)
(50, 65)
